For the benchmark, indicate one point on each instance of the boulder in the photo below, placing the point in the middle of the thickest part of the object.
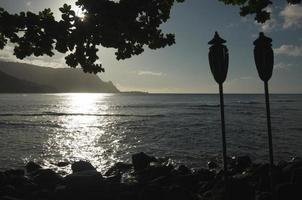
(32, 167)
(141, 161)
(289, 191)
(63, 164)
(212, 165)
(153, 172)
(118, 168)
(47, 178)
(297, 176)
(183, 170)
(264, 196)
(88, 178)
(80, 166)
(243, 162)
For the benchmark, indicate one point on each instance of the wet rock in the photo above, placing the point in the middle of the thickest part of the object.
(3, 178)
(80, 166)
(153, 172)
(243, 162)
(204, 175)
(141, 161)
(9, 198)
(152, 193)
(240, 189)
(118, 168)
(183, 170)
(212, 165)
(63, 164)
(8, 190)
(179, 193)
(289, 191)
(47, 178)
(15, 172)
(84, 179)
(32, 167)
(297, 176)
(264, 196)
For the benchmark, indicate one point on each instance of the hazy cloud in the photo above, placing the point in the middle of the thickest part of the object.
(292, 15)
(57, 61)
(282, 66)
(289, 50)
(246, 78)
(271, 24)
(149, 73)
(29, 3)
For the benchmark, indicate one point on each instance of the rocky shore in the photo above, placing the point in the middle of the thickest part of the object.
(151, 178)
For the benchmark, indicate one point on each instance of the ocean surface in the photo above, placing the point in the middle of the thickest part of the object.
(106, 128)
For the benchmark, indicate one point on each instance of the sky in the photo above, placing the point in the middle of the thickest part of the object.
(183, 67)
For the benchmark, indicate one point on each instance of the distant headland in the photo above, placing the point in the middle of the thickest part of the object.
(25, 78)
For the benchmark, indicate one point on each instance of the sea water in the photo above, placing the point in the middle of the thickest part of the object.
(107, 128)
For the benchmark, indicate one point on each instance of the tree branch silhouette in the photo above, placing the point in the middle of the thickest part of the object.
(128, 26)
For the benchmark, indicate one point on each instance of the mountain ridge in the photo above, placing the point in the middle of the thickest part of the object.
(61, 80)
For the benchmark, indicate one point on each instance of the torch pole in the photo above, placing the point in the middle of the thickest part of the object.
(223, 136)
(269, 129)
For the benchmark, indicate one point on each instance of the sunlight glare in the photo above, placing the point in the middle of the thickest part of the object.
(79, 12)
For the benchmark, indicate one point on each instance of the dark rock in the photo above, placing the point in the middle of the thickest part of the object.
(3, 178)
(153, 172)
(84, 179)
(289, 191)
(80, 166)
(8, 190)
(32, 167)
(141, 161)
(47, 178)
(204, 175)
(152, 193)
(179, 193)
(264, 196)
(62, 164)
(281, 164)
(297, 176)
(15, 172)
(9, 198)
(212, 165)
(183, 170)
(243, 162)
(118, 168)
(240, 189)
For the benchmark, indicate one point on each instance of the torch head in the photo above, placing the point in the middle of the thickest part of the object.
(218, 58)
(264, 57)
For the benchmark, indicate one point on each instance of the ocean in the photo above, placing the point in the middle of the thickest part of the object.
(107, 128)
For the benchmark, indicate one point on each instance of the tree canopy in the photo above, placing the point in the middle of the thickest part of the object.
(125, 25)
(255, 7)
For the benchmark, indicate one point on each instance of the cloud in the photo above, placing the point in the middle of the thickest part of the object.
(282, 66)
(269, 25)
(149, 73)
(29, 3)
(57, 61)
(292, 15)
(246, 78)
(289, 50)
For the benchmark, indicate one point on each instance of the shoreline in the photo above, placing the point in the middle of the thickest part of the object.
(149, 177)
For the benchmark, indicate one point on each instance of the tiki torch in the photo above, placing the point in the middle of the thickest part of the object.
(264, 59)
(219, 62)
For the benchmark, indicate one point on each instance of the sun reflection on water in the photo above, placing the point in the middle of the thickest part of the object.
(85, 134)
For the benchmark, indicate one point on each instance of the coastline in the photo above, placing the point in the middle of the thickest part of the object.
(149, 177)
